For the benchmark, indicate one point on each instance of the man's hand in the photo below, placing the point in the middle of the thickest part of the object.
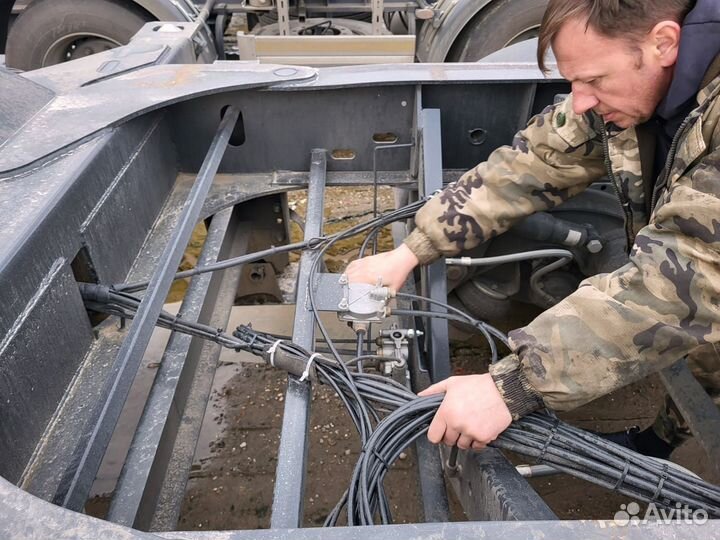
(472, 413)
(392, 268)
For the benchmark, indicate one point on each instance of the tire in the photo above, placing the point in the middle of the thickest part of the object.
(49, 32)
(502, 23)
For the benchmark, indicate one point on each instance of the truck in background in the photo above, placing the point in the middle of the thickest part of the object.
(40, 33)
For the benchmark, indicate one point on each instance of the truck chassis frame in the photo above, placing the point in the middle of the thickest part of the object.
(139, 137)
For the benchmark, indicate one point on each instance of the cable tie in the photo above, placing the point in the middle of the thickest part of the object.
(271, 351)
(553, 432)
(306, 373)
(382, 460)
(663, 477)
(622, 476)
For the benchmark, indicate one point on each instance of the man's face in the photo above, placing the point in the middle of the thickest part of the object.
(621, 81)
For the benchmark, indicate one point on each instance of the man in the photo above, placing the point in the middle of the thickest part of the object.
(645, 80)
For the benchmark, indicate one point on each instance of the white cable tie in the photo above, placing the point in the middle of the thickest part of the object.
(306, 373)
(271, 351)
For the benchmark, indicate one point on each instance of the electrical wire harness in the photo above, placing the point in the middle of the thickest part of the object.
(389, 417)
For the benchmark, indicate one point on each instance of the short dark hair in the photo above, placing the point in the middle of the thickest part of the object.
(630, 19)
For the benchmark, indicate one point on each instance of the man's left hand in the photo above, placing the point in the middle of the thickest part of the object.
(472, 413)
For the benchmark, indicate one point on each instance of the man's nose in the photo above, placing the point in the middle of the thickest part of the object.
(583, 101)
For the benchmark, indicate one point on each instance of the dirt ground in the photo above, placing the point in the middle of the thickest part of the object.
(231, 485)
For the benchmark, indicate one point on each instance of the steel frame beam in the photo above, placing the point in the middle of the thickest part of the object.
(145, 466)
(19, 510)
(164, 513)
(287, 508)
(434, 280)
(696, 407)
(92, 446)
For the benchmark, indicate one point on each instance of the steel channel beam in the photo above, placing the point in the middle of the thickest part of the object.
(491, 489)
(487, 477)
(138, 484)
(93, 443)
(696, 407)
(436, 508)
(174, 476)
(287, 509)
(434, 275)
(24, 516)
(164, 514)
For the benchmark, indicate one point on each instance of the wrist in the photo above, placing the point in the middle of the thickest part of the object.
(406, 258)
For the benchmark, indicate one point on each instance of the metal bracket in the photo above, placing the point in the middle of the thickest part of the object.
(283, 8)
(378, 24)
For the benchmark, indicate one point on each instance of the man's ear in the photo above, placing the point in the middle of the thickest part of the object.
(665, 40)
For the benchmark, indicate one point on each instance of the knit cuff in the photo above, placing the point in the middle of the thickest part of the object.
(517, 392)
(421, 245)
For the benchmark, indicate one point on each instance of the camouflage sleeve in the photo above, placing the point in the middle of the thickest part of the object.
(619, 327)
(557, 156)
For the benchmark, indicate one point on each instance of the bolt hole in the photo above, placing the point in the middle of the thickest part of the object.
(168, 28)
(385, 138)
(237, 138)
(477, 136)
(343, 154)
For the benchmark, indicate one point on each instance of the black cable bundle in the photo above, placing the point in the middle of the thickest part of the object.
(589, 457)
(368, 396)
(364, 395)
(540, 435)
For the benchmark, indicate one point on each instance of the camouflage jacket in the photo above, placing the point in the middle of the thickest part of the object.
(618, 327)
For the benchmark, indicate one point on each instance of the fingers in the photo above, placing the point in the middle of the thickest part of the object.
(436, 431)
(451, 437)
(465, 442)
(439, 432)
(477, 445)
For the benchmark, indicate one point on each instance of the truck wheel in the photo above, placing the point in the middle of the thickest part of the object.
(53, 31)
(501, 24)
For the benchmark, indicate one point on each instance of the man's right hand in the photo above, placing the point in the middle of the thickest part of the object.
(392, 268)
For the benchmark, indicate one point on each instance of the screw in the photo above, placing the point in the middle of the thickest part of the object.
(343, 305)
(343, 279)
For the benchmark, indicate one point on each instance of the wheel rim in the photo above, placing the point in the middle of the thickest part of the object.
(76, 46)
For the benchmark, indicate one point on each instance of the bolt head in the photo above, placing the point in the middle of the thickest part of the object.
(594, 246)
